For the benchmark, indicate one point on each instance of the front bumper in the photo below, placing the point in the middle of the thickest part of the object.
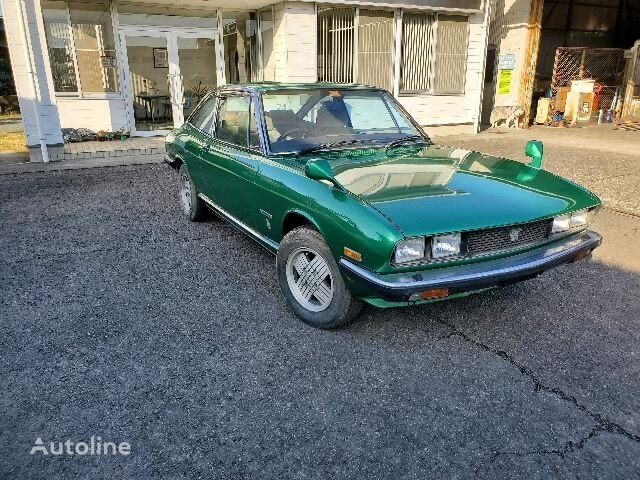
(476, 276)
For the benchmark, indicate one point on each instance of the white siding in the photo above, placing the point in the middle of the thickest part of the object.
(454, 109)
(47, 110)
(96, 114)
(295, 42)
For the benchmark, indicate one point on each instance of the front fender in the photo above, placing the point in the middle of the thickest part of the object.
(345, 221)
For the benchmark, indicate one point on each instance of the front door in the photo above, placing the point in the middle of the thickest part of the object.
(231, 162)
(166, 74)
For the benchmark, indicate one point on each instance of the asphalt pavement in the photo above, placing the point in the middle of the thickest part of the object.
(122, 320)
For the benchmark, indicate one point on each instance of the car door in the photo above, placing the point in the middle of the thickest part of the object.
(196, 137)
(231, 161)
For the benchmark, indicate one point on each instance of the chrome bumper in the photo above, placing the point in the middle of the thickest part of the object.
(476, 276)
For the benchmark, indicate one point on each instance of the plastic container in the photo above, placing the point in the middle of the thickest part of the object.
(583, 86)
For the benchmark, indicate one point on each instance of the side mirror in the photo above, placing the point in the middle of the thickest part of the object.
(534, 149)
(321, 170)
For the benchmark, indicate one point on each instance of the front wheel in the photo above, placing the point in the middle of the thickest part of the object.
(192, 205)
(311, 282)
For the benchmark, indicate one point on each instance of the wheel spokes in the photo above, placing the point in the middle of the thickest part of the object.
(310, 280)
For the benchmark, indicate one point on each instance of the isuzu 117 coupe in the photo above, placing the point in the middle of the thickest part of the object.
(360, 206)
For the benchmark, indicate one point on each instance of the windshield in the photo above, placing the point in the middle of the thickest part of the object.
(322, 118)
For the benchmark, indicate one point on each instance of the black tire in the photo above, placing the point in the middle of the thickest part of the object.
(193, 206)
(342, 308)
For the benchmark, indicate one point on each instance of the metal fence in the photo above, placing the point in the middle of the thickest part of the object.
(604, 65)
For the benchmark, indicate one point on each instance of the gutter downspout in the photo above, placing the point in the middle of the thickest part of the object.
(32, 77)
(488, 11)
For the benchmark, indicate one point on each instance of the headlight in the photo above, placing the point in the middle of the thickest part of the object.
(445, 245)
(577, 219)
(561, 224)
(409, 250)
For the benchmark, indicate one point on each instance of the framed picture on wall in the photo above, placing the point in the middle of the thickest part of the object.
(160, 58)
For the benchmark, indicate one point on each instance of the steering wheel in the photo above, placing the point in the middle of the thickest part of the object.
(288, 133)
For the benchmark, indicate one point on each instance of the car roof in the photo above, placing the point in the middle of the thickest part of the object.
(272, 86)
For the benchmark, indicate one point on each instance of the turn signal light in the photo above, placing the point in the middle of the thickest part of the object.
(434, 293)
(352, 254)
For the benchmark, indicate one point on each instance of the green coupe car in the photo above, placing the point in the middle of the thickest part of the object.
(360, 206)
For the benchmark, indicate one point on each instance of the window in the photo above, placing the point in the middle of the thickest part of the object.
(310, 119)
(368, 113)
(375, 48)
(202, 119)
(451, 53)
(347, 54)
(335, 44)
(81, 46)
(417, 42)
(234, 124)
(240, 46)
(357, 45)
(59, 45)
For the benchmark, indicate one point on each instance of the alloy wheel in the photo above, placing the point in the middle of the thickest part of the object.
(185, 193)
(309, 279)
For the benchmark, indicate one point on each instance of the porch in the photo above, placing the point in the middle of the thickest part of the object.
(103, 151)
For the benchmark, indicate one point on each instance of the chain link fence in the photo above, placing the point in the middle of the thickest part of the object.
(604, 65)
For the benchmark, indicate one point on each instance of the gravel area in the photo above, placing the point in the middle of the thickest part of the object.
(122, 320)
(604, 160)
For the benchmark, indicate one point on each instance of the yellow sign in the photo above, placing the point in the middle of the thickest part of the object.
(504, 81)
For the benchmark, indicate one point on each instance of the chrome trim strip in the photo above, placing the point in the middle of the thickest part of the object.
(261, 239)
(477, 275)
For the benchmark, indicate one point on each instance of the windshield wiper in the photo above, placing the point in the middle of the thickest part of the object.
(328, 145)
(408, 138)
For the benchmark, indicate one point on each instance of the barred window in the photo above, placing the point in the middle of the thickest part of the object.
(451, 54)
(357, 45)
(335, 44)
(417, 52)
(375, 48)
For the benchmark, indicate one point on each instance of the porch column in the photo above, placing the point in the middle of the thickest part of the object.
(32, 72)
(294, 42)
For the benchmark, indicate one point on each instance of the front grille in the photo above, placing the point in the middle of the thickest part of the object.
(491, 240)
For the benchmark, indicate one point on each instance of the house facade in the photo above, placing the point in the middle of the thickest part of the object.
(142, 66)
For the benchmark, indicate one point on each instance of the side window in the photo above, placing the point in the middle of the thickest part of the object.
(203, 118)
(254, 138)
(232, 125)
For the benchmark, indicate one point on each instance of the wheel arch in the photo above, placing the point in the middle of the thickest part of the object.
(177, 162)
(297, 218)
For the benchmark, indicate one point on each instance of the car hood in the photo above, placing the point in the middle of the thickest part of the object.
(439, 189)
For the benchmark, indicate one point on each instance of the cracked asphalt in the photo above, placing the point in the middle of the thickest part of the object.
(122, 320)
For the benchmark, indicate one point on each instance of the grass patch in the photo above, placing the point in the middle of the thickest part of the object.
(10, 116)
(12, 142)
